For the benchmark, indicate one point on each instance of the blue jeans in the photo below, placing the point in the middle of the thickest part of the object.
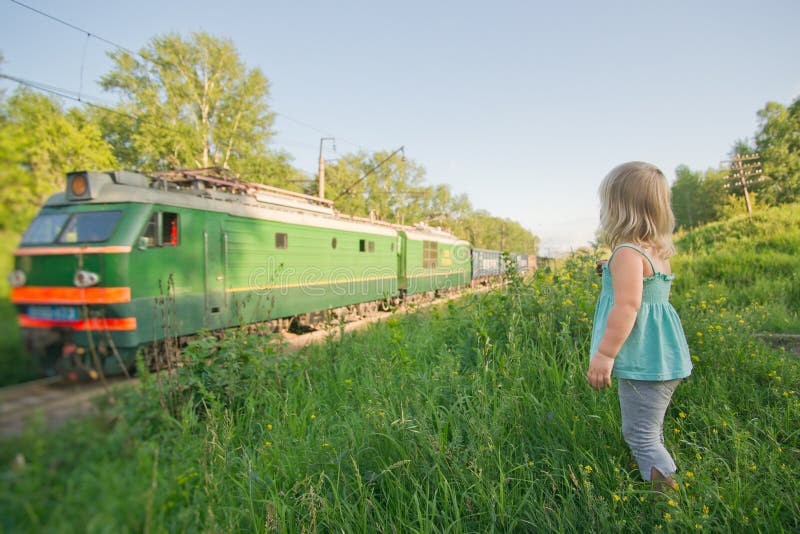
(643, 405)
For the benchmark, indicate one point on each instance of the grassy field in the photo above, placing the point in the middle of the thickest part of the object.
(472, 417)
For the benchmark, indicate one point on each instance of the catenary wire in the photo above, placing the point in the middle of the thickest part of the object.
(65, 23)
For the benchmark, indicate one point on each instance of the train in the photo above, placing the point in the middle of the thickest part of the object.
(120, 261)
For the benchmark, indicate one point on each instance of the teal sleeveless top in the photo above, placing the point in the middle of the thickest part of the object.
(656, 348)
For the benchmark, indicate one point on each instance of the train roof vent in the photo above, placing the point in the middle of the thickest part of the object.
(130, 178)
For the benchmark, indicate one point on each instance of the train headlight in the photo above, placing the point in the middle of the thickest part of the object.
(85, 279)
(16, 278)
(78, 185)
(85, 185)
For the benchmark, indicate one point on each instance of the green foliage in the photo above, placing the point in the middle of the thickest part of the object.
(39, 143)
(15, 365)
(778, 141)
(700, 197)
(274, 169)
(774, 228)
(395, 191)
(195, 105)
(754, 261)
(487, 231)
(473, 416)
(390, 189)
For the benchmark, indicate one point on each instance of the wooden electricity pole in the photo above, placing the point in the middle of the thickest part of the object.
(742, 168)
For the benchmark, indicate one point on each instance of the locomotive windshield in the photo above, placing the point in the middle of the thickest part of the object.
(85, 227)
(44, 229)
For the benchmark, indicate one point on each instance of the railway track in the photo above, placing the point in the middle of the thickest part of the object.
(56, 400)
(53, 399)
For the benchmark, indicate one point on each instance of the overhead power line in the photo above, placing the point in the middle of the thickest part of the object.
(349, 188)
(65, 23)
(64, 93)
(71, 95)
(76, 96)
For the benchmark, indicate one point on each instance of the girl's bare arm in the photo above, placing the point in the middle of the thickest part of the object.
(626, 273)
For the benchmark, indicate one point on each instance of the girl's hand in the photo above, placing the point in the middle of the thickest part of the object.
(599, 374)
(598, 267)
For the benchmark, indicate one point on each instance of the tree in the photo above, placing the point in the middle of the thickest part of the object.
(39, 144)
(187, 103)
(275, 169)
(484, 230)
(382, 185)
(778, 142)
(697, 197)
(393, 189)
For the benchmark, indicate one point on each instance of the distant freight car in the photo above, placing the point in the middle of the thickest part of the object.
(486, 265)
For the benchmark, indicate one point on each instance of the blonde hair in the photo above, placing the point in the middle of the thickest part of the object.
(635, 208)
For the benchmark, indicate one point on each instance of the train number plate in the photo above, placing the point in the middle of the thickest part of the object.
(53, 313)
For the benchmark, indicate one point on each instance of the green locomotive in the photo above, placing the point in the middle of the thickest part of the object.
(121, 261)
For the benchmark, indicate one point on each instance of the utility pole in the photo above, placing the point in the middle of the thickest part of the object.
(741, 169)
(322, 165)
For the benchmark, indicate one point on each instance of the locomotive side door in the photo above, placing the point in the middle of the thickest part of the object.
(214, 268)
(402, 281)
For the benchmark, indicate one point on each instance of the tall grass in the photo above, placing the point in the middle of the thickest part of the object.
(471, 417)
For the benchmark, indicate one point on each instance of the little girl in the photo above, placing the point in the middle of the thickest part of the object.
(637, 333)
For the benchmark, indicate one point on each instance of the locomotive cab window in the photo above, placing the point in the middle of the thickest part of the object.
(169, 229)
(281, 240)
(44, 229)
(89, 227)
(161, 230)
(84, 227)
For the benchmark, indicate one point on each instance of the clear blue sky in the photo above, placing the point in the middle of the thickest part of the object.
(523, 106)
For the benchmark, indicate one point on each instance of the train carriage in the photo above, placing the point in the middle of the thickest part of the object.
(432, 260)
(119, 261)
(486, 265)
(521, 261)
